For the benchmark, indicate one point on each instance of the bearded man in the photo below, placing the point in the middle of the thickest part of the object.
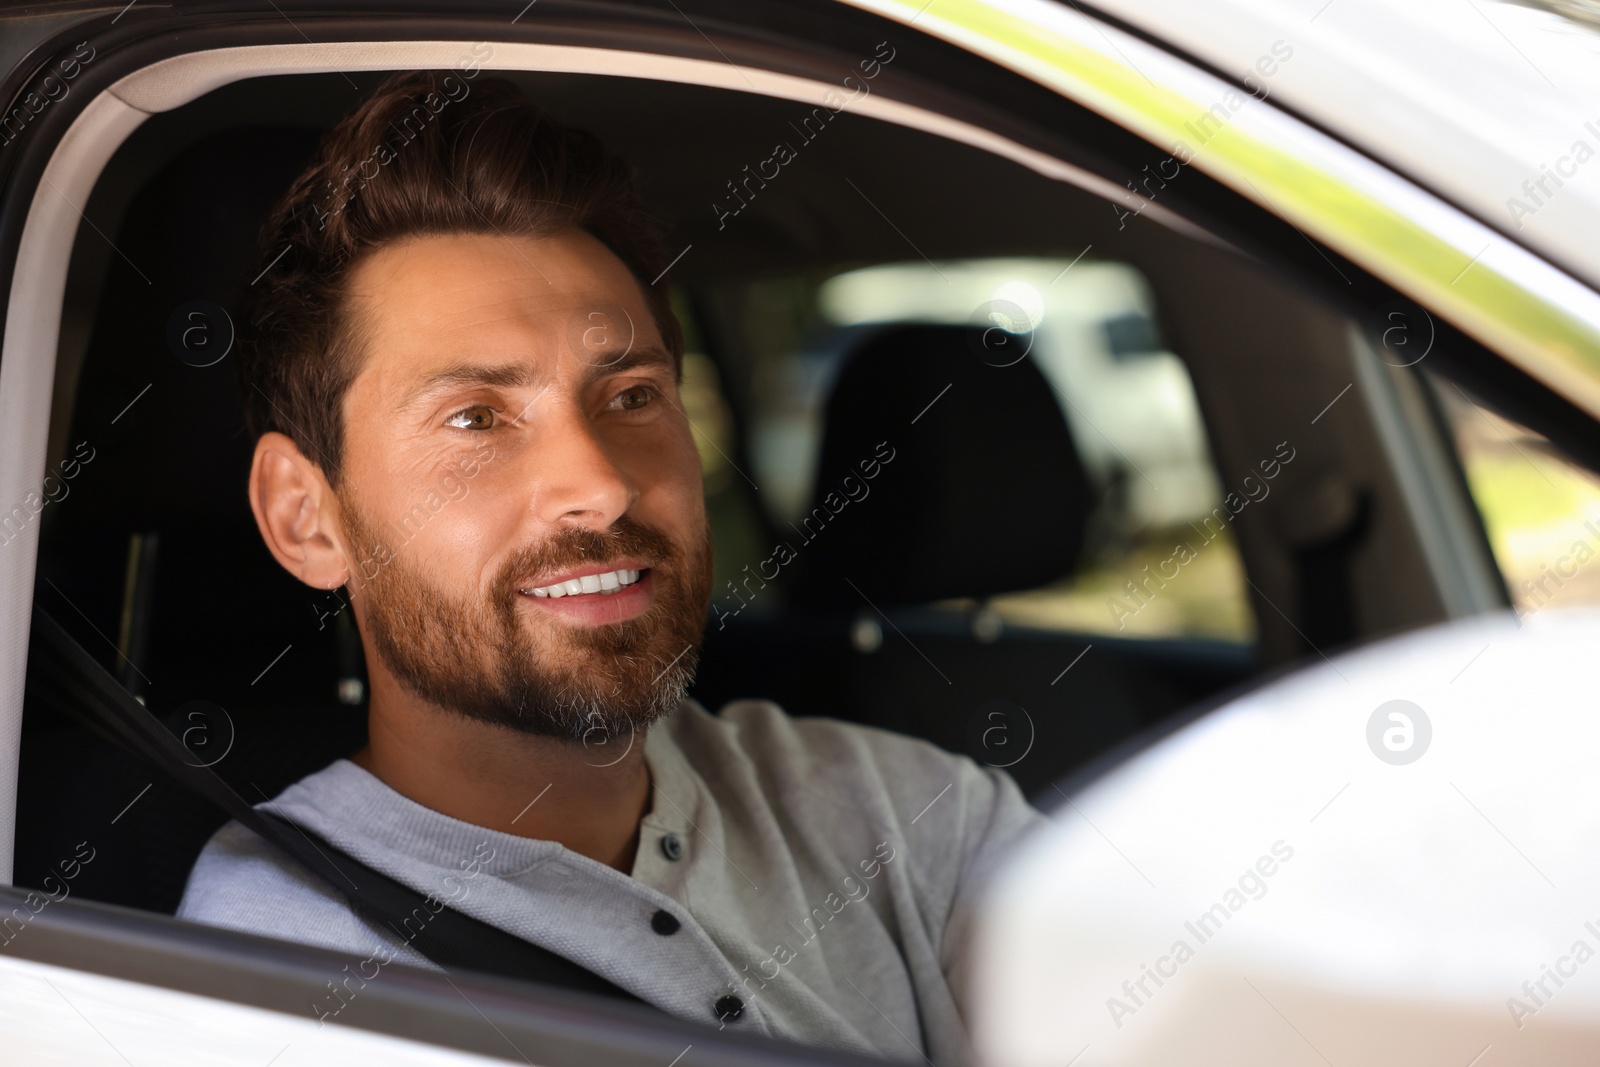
(462, 366)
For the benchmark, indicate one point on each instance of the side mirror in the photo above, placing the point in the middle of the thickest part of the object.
(1390, 858)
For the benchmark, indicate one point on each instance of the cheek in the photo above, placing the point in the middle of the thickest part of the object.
(666, 470)
(410, 507)
(456, 538)
(685, 455)
(663, 449)
(680, 463)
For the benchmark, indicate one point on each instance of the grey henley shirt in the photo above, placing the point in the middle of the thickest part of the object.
(820, 871)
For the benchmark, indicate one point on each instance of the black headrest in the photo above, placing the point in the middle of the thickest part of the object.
(192, 232)
(941, 475)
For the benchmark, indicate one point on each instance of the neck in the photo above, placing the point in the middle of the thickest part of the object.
(582, 797)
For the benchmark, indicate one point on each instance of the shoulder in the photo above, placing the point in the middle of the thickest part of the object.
(763, 733)
(240, 882)
(937, 823)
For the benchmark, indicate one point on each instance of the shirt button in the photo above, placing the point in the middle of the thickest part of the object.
(729, 1008)
(664, 923)
(672, 847)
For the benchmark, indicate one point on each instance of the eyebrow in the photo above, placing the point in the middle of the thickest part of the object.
(511, 375)
(631, 359)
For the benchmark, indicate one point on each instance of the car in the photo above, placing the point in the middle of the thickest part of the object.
(1187, 348)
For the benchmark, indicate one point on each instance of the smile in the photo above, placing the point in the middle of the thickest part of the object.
(605, 583)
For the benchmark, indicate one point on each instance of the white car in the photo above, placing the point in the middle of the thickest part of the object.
(1314, 292)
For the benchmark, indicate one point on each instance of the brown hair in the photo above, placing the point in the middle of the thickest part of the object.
(427, 153)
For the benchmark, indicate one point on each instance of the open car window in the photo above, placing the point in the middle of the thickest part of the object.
(1142, 480)
(1091, 326)
(1037, 630)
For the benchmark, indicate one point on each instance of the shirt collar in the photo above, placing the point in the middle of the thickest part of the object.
(354, 808)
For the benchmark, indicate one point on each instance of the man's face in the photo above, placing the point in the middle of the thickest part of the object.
(521, 493)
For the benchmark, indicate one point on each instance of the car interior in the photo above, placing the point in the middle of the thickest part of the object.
(1053, 394)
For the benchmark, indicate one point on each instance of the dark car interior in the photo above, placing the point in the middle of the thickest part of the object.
(153, 560)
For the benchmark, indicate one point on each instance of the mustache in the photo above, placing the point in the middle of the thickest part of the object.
(626, 538)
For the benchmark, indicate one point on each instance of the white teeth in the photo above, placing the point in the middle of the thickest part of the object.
(606, 583)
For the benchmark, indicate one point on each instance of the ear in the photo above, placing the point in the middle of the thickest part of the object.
(297, 513)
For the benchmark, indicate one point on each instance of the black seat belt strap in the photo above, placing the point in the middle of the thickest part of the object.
(442, 934)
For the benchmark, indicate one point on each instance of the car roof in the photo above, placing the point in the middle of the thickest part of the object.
(1472, 98)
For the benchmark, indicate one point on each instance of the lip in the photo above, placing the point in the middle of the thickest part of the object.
(579, 572)
(597, 609)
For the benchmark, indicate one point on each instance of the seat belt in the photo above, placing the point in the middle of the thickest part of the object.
(444, 935)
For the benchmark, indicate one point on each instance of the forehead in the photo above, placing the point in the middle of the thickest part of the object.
(438, 298)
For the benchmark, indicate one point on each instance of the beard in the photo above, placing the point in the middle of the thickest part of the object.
(585, 684)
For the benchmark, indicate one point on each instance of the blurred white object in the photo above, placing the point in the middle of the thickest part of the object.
(1315, 874)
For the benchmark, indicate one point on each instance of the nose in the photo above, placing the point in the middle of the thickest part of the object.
(579, 481)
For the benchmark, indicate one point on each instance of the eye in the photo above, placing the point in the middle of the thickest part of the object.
(634, 398)
(477, 417)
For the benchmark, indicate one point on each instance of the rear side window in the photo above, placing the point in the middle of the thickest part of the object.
(1160, 559)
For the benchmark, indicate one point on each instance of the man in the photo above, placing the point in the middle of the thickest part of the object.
(463, 375)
